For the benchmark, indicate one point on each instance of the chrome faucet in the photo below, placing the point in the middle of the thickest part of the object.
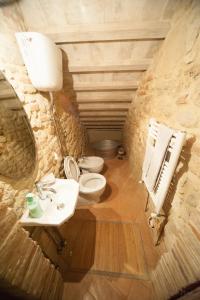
(38, 186)
(49, 189)
(41, 187)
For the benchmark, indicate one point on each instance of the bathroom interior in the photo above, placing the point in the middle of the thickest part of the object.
(100, 149)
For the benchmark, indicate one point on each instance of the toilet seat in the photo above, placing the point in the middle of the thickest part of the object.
(91, 182)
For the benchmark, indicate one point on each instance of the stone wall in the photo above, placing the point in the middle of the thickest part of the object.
(47, 133)
(72, 134)
(75, 135)
(48, 151)
(25, 271)
(170, 93)
(39, 113)
(17, 147)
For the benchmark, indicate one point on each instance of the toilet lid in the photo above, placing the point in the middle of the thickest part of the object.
(71, 168)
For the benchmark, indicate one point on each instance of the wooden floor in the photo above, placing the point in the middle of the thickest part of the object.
(101, 247)
(110, 251)
(96, 287)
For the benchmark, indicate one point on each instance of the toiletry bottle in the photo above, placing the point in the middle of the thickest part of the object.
(35, 210)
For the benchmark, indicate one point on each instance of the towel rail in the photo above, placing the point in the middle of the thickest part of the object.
(168, 165)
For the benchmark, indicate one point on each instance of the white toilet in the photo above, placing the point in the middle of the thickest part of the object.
(93, 164)
(91, 185)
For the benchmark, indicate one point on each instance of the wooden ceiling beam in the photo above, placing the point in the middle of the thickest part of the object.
(103, 107)
(102, 118)
(105, 96)
(103, 86)
(104, 101)
(131, 66)
(114, 124)
(103, 122)
(105, 129)
(107, 126)
(111, 32)
(111, 125)
(102, 113)
(108, 96)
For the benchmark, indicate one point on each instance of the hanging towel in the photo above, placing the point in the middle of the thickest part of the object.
(163, 138)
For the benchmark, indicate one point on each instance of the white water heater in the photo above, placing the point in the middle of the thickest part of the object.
(43, 60)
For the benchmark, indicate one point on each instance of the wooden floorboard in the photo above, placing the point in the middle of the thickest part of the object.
(106, 288)
(105, 247)
(119, 219)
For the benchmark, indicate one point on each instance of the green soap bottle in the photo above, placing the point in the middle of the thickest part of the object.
(35, 210)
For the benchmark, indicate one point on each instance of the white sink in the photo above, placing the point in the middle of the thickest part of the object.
(60, 209)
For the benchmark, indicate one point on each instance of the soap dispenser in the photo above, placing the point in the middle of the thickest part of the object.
(35, 210)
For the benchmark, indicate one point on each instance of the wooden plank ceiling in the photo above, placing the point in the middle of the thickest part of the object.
(107, 46)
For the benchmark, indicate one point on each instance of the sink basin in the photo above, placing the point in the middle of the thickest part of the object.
(93, 164)
(60, 209)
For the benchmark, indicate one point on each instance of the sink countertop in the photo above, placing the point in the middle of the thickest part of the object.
(67, 191)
